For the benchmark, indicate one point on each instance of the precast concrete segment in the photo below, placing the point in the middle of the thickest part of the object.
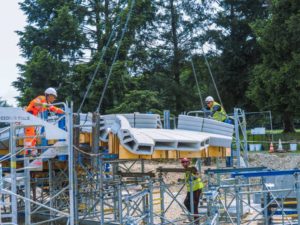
(136, 120)
(131, 138)
(179, 139)
(144, 140)
(204, 125)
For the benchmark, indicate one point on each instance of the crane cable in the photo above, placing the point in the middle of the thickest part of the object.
(115, 56)
(212, 77)
(99, 63)
(197, 83)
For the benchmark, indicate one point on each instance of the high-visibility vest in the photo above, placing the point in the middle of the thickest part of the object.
(196, 182)
(218, 115)
(35, 109)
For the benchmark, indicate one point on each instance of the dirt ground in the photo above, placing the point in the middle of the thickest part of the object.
(279, 161)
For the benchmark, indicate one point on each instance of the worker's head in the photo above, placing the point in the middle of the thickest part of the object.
(209, 101)
(50, 94)
(185, 162)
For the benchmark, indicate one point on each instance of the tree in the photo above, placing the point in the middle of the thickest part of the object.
(138, 101)
(3, 103)
(51, 42)
(105, 22)
(276, 82)
(237, 48)
(167, 44)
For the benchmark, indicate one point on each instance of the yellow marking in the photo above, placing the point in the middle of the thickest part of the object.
(13, 164)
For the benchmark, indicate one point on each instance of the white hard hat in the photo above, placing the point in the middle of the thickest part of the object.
(209, 99)
(50, 91)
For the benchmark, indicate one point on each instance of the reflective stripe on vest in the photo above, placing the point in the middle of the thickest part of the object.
(36, 109)
(219, 115)
(196, 182)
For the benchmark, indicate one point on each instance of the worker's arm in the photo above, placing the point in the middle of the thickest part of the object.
(56, 110)
(215, 109)
(194, 172)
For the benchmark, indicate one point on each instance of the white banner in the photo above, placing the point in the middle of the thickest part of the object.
(9, 114)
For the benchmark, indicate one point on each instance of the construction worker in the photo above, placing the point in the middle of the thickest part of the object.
(192, 177)
(217, 112)
(36, 106)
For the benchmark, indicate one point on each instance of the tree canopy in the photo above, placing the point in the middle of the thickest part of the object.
(276, 79)
(165, 58)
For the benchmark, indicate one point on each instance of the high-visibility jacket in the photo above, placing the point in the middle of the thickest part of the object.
(218, 112)
(196, 182)
(35, 106)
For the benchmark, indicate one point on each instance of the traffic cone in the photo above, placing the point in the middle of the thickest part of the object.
(271, 150)
(280, 148)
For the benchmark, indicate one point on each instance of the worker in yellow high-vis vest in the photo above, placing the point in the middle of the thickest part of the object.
(217, 112)
(192, 177)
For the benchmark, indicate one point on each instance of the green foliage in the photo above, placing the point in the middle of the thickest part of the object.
(63, 42)
(51, 43)
(40, 72)
(3, 103)
(237, 48)
(138, 101)
(276, 82)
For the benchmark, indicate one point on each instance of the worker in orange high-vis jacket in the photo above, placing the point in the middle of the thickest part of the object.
(36, 106)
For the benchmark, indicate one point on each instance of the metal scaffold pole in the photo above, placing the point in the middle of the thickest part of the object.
(297, 182)
(71, 165)
(27, 192)
(237, 137)
(13, 174)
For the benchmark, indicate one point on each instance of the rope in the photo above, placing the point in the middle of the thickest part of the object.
(86, 153)
(115, 56)
(99, 63)
(197, 83)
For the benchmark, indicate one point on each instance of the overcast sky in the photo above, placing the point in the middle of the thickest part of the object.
(11, 19)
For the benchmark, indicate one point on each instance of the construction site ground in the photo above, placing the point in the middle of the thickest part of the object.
(279, 161)
(273, 161)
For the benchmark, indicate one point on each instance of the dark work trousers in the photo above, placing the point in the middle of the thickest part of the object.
(196, 196)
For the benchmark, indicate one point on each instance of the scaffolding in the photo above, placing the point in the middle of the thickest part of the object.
(85, 184)
(30, 185)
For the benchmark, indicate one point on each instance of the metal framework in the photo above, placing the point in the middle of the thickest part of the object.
(81, 184)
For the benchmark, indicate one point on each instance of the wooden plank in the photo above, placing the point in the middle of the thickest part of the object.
(125, 154)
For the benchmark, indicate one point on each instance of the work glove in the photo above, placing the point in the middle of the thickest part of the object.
(45, 105)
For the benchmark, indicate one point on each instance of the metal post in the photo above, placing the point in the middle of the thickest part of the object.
(237, 198)
(162, 201)
(218, 175)
(150, 201)
(96, 134)
(76, 137)
(120, 210)
(69, 113)
(27, 192)
(1, 187)
(51, 188)
(271, 126)
(298, 194)
(191, 195)
(265, 196)
(144, 200)
(237, 136)
(13, 174)
(166, 119)
(198, 163)
(245, 138)
(101, 195)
